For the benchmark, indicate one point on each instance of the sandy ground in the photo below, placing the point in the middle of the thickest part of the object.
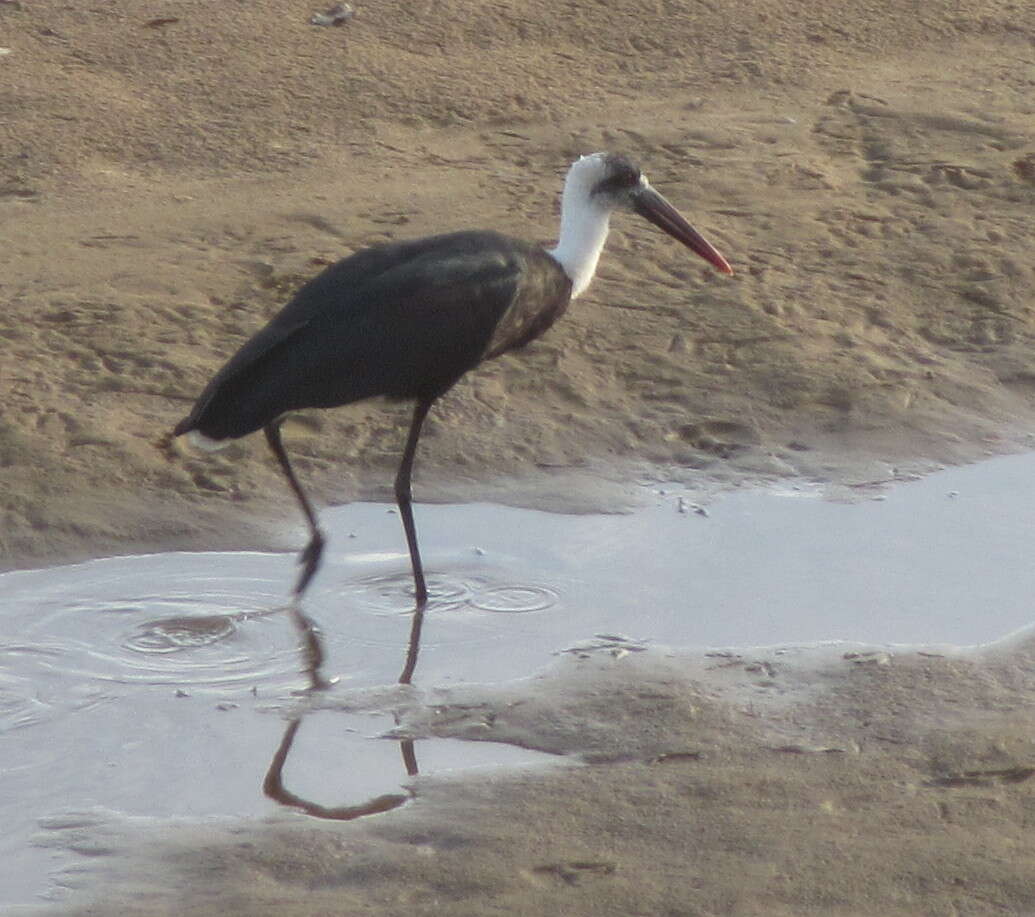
(867, 785)
(169, 172)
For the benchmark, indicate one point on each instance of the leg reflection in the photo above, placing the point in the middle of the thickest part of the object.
(312, 648)
(413, 647)
(273, 785)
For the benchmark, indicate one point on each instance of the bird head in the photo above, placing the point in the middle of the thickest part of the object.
(611, 181)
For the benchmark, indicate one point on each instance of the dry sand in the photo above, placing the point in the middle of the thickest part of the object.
(867, 169)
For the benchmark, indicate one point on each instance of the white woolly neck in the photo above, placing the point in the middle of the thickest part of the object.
(584, 225)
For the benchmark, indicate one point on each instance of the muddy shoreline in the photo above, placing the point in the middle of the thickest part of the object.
(165, 184)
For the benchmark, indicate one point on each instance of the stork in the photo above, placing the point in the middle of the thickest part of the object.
(408, 319)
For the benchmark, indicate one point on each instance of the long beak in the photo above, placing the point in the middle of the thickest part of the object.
(652, 206)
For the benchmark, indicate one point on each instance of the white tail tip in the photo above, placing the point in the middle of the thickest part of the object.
(200, 441)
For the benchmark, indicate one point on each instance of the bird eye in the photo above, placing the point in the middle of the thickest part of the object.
(621, 176)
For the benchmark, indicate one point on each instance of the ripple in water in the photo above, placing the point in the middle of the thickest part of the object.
(26, 699)
(173, 635)
(20, 704)
(515, 599)
(184, 640)
(393, 594)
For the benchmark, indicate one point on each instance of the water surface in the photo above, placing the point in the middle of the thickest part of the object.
(154, 685)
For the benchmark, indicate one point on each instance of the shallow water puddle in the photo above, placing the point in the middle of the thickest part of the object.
(150, 685)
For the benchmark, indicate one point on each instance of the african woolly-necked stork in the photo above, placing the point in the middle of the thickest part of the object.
(407, 319)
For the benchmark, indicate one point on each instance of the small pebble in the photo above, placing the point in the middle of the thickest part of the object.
(338, 14)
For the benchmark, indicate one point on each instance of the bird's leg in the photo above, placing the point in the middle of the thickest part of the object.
(404, 501)
(310, 556)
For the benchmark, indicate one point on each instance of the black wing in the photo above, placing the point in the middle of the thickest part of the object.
(404, 320)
